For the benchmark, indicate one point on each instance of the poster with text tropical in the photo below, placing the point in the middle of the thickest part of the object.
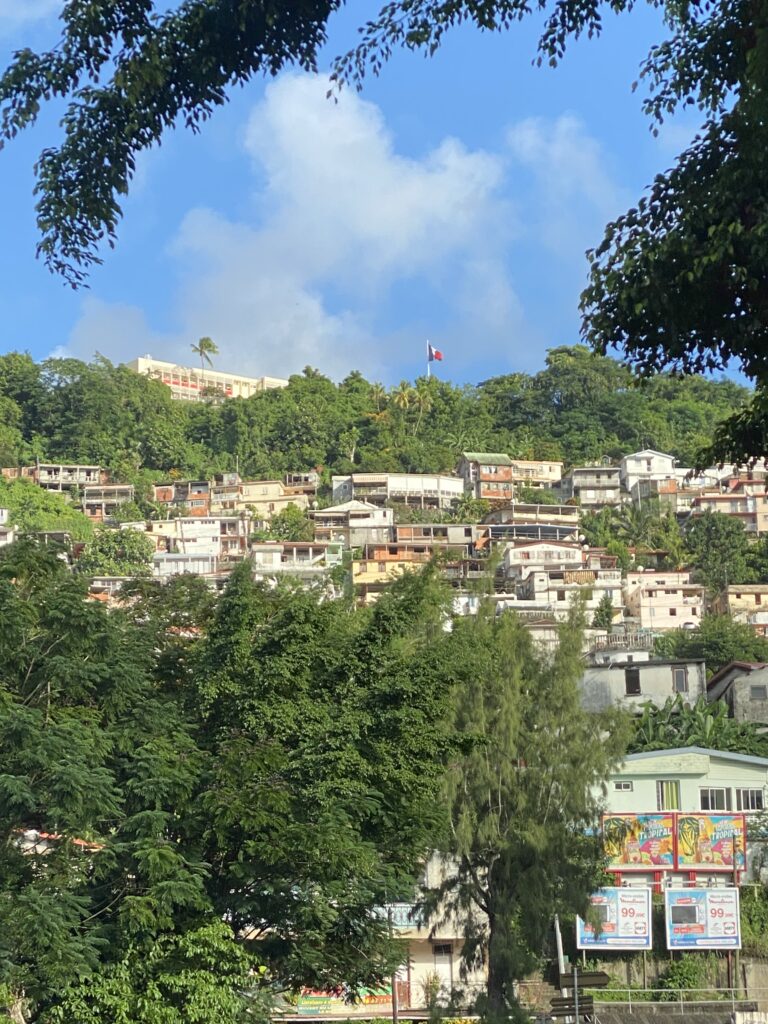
(637, 842)
(710, 842)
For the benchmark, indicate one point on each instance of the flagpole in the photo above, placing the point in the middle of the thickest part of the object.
(429, 368)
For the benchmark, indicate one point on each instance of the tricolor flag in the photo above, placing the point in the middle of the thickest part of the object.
(434, 354)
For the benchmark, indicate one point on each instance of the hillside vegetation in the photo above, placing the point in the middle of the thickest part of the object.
(580, 407)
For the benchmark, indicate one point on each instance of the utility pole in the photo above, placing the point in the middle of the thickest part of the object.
(394, 973)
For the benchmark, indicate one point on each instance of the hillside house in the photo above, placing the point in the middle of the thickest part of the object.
(750, 508)
(660, 600)
(487, 475)
(592, 486)
(303, 560)
(647, 465)
(221, 537)
(100, 502)
(422, 490)
(536, 473)
(632, 683)
(556, 589)
(743, 687)
(353, 523)
(744, 602)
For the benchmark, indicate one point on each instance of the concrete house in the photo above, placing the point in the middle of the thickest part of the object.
(647, 464)
(745, 602)
(422, 490)
(631, 684)
(353, 523)
(536, 473)
(743, 687)
(751, 509)
(592, 486)
(688, 779)
(487, 475)
(101, 501)
(660, 600)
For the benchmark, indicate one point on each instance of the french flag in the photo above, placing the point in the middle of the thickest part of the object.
(434, 354)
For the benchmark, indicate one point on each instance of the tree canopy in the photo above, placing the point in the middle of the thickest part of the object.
(677, 282)
(183, 787)
(524, 799)
(579, 407)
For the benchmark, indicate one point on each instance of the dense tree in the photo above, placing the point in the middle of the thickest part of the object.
(65, 410)
(603, 617)
(718, 547)
(290, 523)
(522, 800)
(718, 640)
(167, 797)
(34, 509)
(703, 724)
(112, 552)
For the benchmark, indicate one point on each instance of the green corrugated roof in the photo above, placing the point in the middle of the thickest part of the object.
(489, 458)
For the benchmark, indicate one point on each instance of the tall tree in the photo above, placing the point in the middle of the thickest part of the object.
(205, 349)
(717, 640)
(718, 547)
(523, 800)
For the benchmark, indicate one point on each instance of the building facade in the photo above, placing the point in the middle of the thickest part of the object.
(194, 384)
(632, 683)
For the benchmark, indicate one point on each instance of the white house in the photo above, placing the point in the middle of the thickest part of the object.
(632, 683)
(660, 600)
(645, 465)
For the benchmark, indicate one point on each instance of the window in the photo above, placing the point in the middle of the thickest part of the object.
(382, 566)
(667, 795)
(673, 611)
(442, 949)
(680, 680)
(758, 693)
(561, 595)
(749, 800)
(758, 598)
(631, 681)
(718, 799)
(623, 787)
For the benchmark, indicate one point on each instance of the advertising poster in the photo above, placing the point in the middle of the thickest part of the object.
(624, 917)
(315, 1001)
(702, 918)
(710, 842)
(637, 842)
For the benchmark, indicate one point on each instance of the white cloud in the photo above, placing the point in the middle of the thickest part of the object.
(342, 225)
(340, 220)
(574, 194)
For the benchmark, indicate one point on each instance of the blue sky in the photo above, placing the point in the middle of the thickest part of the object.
(451, 201)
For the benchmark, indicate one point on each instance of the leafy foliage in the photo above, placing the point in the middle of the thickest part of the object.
(34, 509)
(522, 843)
(177, 781)
(703, 724)
(718, 640)
(579, 407)
(718, 546)
(117, 553)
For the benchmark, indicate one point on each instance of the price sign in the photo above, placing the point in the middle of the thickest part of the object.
(618, 919)
(702, 918)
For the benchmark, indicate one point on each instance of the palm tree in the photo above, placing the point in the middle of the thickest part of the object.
(378, 394)
(422, 399)
(402, 395)
(205, 348)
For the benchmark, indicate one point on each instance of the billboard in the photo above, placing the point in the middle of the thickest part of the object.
(711, 842)
(624, 917)
(702, 918)
(639, 842)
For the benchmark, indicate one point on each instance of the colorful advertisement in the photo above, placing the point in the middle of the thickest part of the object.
(314, 1001)
(620, 919)
(711, 842)
(702, 918)
(639, 842)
